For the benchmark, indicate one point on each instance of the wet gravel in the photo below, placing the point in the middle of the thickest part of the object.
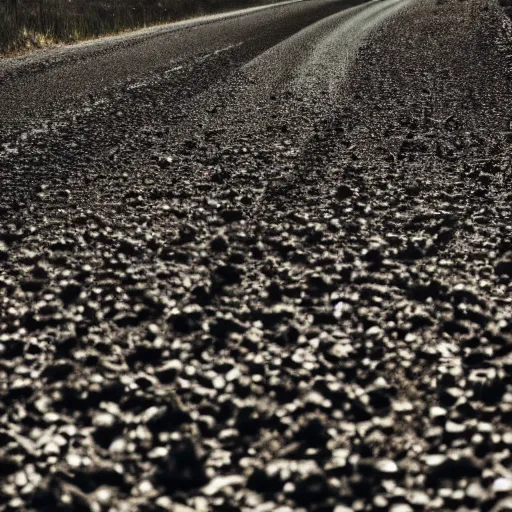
(281, 294)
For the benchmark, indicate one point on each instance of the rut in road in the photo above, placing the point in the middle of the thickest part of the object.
(316, 60)
(290, 298)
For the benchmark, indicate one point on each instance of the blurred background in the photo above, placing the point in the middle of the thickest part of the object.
(27, 24)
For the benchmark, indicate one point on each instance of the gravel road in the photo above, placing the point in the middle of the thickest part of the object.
(261, 263)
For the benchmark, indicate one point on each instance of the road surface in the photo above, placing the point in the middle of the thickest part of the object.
(66, 74)
(261, 262)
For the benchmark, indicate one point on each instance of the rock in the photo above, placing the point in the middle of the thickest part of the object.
(504, 505)
(437, 413)
(168, 372)
(454, 429)
(401, 507)
(449, 396)
(386, 467)
(220, 482)
(186, 320)
(166, 418)
(107, 428)
(502, 485)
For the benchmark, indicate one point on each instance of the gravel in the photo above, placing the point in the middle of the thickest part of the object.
(268, 295)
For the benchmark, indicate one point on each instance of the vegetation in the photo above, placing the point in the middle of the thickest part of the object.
(34, 23)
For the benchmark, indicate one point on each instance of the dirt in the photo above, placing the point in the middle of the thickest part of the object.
(269, 293)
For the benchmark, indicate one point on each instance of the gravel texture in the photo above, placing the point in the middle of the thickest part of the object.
(278, 288)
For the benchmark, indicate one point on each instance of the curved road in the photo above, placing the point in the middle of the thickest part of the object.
(47, 81)
(305, 46)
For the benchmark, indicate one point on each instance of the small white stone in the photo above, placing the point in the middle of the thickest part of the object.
(386, 466)
(104, 495)
(502, 485)
(74, 460)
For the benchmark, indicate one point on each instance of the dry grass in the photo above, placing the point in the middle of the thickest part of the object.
(37, 23)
